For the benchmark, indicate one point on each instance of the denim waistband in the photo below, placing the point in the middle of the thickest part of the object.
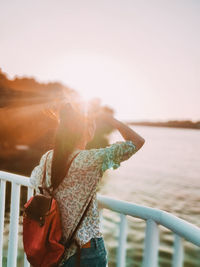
(95, 255)
(97, 242)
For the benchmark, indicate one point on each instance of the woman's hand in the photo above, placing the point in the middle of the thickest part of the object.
(105, 116)
(126, 132)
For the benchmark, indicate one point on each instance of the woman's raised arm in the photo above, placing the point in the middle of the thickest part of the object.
(127, 133)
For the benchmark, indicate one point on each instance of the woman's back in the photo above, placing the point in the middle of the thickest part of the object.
(75, 191)
(76, 188)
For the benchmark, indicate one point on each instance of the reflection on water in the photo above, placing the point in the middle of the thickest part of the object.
(164, 174)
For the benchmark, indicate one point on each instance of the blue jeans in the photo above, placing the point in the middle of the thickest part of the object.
(95, 256)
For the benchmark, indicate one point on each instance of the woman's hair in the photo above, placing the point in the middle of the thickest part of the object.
(69, 132)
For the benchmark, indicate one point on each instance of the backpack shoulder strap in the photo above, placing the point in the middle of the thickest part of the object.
(54, 188)
(50, 189)
(44, 172)
(70, 239)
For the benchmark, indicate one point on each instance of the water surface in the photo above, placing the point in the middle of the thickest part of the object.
(164, 174)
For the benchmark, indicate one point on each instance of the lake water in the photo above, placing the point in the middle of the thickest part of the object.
(163, 174)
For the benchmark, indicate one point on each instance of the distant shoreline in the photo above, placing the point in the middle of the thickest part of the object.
(172, 124)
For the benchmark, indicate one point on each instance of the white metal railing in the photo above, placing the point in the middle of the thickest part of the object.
(153, 217)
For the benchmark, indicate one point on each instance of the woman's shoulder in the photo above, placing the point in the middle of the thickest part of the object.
(104, 158)
(37, 172)
(119, 145)
(111, 155)
(86, 155)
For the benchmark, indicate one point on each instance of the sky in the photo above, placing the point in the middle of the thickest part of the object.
(141, 58)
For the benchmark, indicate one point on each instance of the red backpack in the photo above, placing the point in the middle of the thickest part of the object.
(42, 231)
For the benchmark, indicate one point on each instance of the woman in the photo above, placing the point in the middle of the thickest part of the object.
(86, 169)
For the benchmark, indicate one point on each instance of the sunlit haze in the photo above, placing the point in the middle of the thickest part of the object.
(141, 58)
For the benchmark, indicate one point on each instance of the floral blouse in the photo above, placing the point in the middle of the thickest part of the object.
(73, 193)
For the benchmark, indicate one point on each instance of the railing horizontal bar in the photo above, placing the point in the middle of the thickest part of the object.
(14, 221)
(2, 213)
(182, 228)
(18, 179)
(187, 230)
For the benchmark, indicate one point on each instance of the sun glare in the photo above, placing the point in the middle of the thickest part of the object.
(95, 76)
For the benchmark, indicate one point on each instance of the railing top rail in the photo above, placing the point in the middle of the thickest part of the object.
(175, 224)
(181, 227)
(16, 178)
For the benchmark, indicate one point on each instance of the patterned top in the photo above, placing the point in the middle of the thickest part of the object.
(81, 182)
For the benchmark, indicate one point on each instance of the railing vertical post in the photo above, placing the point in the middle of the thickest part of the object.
(101, 219)
(29, 195)
(121, 252)
(150, 256)
(178, 252)
(2, 212)
(14, 221)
